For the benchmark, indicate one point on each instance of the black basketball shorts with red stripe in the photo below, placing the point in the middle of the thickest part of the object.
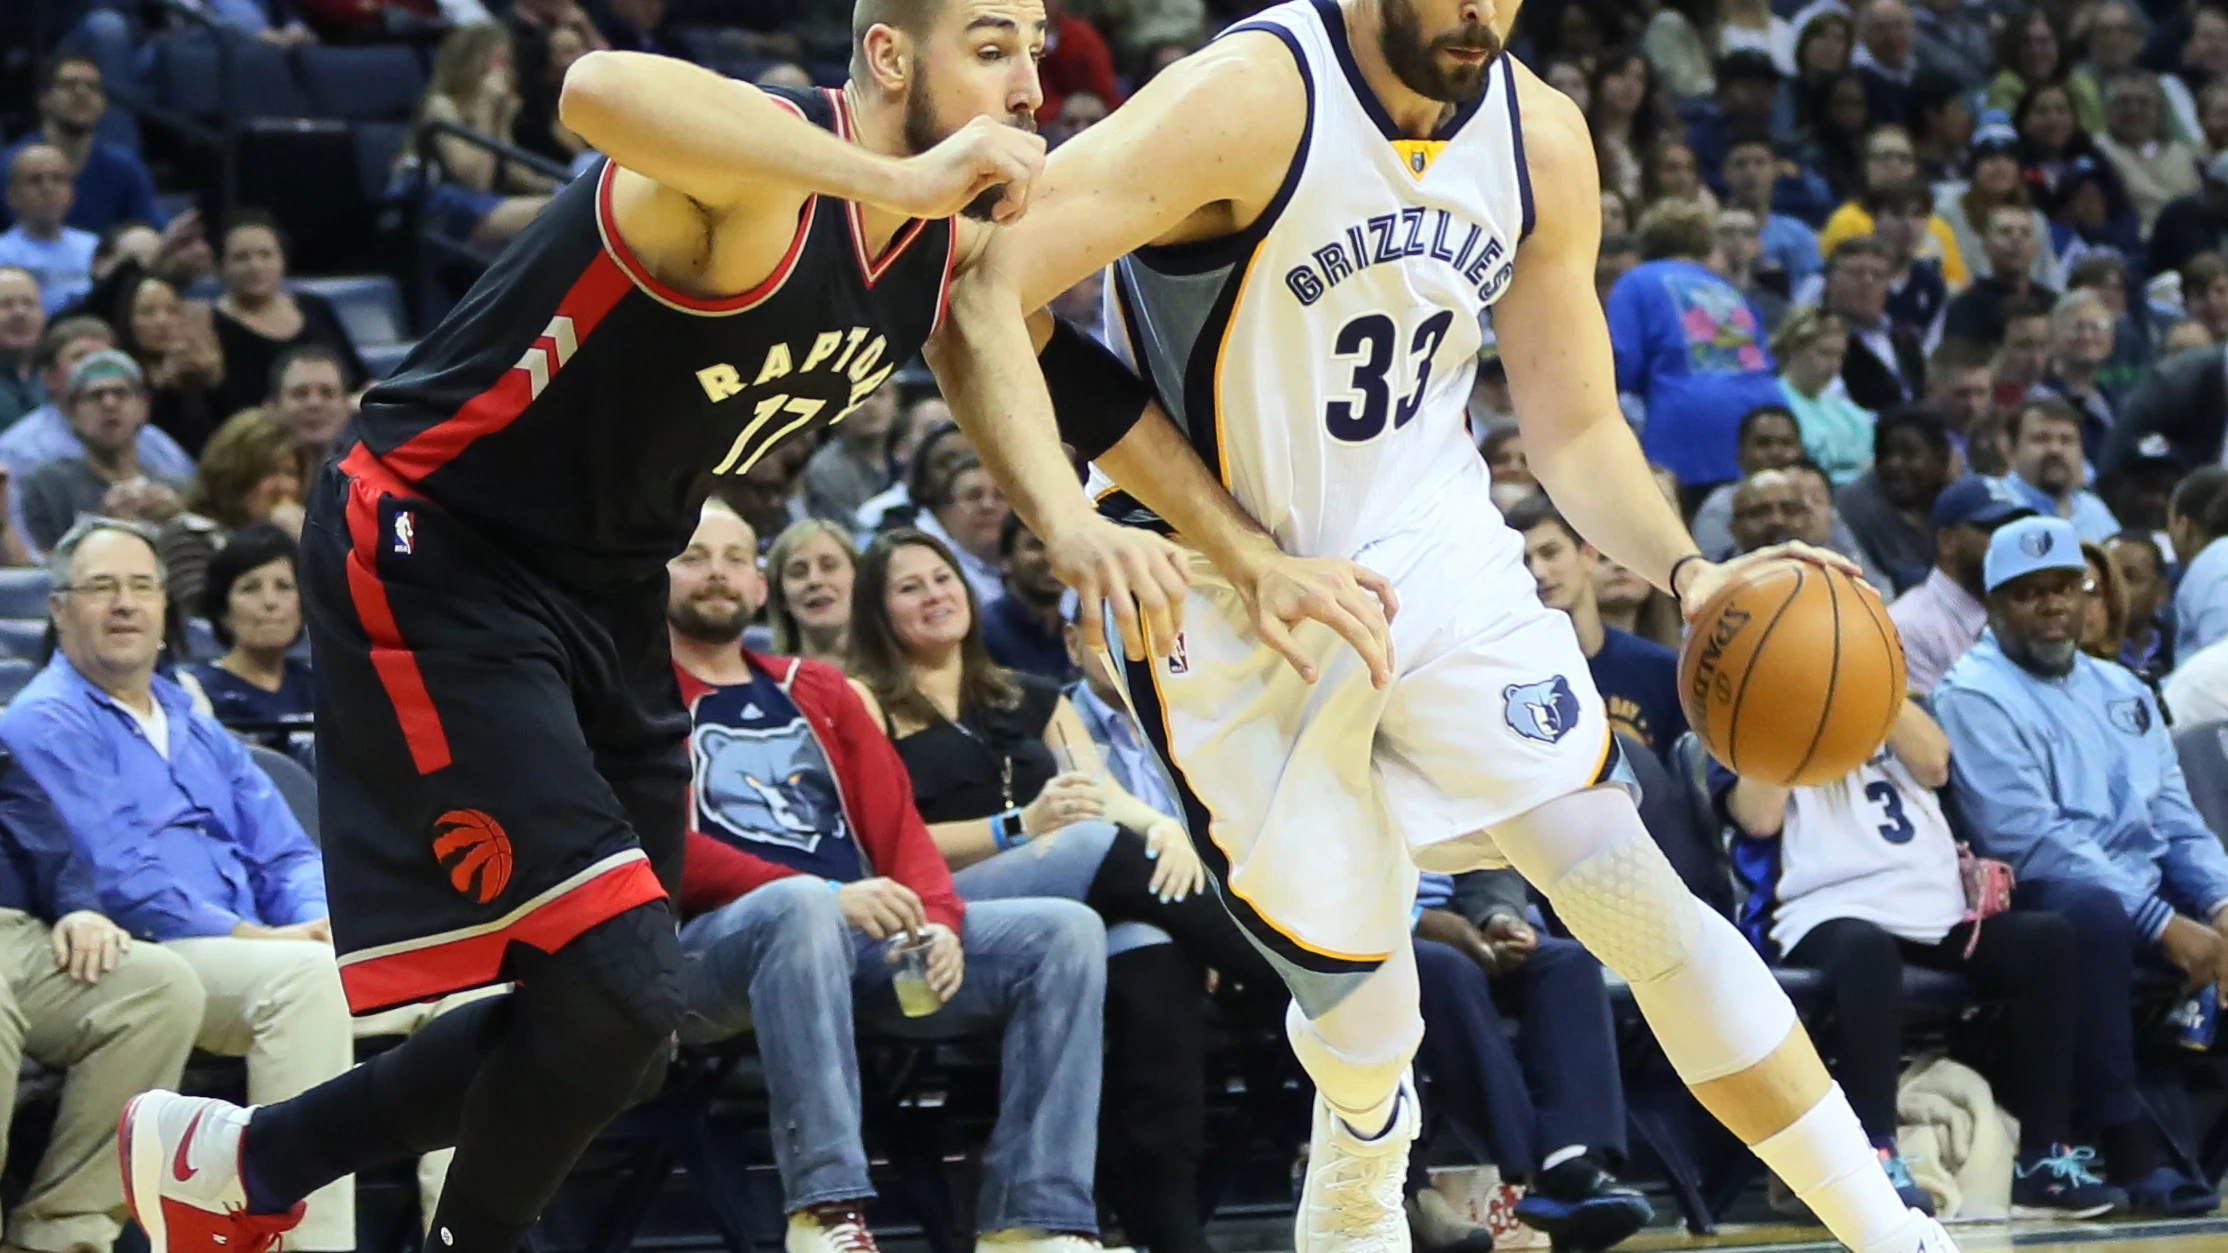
(500, 760)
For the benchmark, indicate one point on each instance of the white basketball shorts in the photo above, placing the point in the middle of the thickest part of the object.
(1311, 798)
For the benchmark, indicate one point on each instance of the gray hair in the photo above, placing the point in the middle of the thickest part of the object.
(64, 553)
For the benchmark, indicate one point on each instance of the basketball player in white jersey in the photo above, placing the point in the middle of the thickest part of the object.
(1306, 220)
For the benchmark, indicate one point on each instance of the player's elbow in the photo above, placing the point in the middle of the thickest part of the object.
(594, 86)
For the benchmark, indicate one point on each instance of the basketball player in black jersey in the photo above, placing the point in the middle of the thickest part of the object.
(502, 748)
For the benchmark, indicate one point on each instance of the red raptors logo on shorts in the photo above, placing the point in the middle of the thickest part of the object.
(486, 849)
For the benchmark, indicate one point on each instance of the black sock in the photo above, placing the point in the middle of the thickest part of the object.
(402, 1103)
(456, 1227)
(1569, 1179)
(2132, 1150)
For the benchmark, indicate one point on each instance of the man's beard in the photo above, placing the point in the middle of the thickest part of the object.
(707, 626)
(922, 133)
(2054, 476)
(1414, 60)
(2053, 660)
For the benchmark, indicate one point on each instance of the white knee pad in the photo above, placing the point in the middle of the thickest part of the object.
(1713, 1005)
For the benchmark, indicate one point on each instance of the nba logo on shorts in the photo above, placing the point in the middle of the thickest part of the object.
(406, 529)
(1543, 711)
(1177, 662)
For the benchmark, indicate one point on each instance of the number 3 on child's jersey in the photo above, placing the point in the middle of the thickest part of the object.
(1371, 338)
(1897, 829)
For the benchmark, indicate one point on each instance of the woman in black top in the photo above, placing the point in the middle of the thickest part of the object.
(257, 319)
(985, 749)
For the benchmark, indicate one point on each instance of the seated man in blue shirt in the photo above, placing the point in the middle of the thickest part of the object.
(58, 255)
(79, 995)
(112, 184)
(2063, 765)
(187, 840)
(1022, 629)
(1549, 1104)
(1639, 679)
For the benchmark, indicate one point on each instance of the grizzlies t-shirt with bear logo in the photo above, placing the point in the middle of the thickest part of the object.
(762, 782)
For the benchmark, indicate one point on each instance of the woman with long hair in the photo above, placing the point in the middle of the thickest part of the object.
(481, 197)
(184, 370)
(257, 318)
(1838, 116)
(809, 571)
(2031, 48)
(2104, 628)
(1015, 794)
(248, 475)
(1624, 117)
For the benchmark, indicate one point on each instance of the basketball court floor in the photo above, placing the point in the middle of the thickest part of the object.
(2194, 1235)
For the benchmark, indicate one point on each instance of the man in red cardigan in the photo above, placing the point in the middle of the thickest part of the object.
(807, 864)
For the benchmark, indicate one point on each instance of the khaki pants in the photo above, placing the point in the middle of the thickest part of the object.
(279, 1004)
(117, 1038)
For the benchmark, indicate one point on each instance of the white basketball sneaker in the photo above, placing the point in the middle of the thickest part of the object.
(181, 1160)
(1352, 1200)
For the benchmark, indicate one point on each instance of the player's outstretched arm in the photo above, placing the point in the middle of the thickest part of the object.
(1563, 375)
(719, 142)
(1195, 154)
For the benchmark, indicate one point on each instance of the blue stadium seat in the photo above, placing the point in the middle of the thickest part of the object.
(377, 146)
(2203, 750)
(188, 78)
(14, 673)
(201, 641)
(294, 783)
(367, 83)
(370, 306)
(23, 592)
(381, 359)
(22, 637)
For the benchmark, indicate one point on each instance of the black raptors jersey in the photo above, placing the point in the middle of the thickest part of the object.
(579, 410)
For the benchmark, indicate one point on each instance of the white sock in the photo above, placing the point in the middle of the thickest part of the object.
(1828, 1161)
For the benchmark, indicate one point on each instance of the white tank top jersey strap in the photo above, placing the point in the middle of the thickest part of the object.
(1321, 359)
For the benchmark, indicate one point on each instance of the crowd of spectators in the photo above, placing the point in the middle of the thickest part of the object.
(1940, 285)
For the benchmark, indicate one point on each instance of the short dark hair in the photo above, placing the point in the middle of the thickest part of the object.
(2093, 268)
(2018, 308)
(2050, 408)
(2143, 540)
(2202, 497)
(249, 548)
(1010, 532)
(1907, 193)
(2202, 269)
(1804, 465)
(1758, 414)
(1920, 419)
(52, 69)
(295, 356)
(250, 218)
(1955, 353)
(1536, 511)
(1751, 139)
(63, 332)
(940, 492)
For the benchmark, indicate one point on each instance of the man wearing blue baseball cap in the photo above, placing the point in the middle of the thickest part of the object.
(2064, 767)
(1941, 617)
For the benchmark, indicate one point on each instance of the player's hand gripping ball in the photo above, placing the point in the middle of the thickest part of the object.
(1792, 673)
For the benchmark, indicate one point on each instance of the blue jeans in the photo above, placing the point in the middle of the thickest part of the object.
(782, 959)
(1062, 864)
(1556, 1084)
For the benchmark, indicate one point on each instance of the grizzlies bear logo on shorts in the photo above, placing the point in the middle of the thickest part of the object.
(1543, 711)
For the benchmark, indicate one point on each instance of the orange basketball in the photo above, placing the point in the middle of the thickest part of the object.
(1792, 674)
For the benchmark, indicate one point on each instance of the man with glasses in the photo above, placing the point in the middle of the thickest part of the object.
(106, 403)
(2064, 768)
(58, 256)
(187, 842)
(111, 183)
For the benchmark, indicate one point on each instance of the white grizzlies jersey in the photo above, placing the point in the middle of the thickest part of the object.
(1320, 360)
(1874, 845)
